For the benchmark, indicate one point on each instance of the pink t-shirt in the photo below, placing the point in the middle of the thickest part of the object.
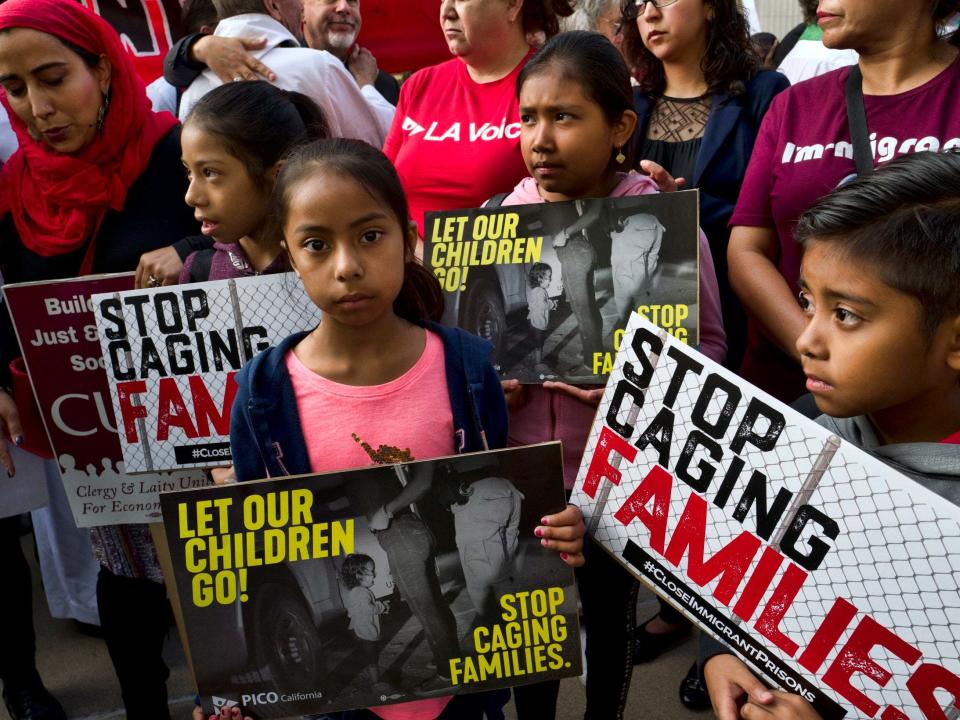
(455, 142)
(348, 426)
(803, 150)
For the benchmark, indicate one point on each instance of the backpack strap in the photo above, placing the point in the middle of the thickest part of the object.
(496, 201)
(473, 372)
(200, 269)
(857, 119)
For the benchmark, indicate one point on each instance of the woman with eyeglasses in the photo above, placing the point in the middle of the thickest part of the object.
(700, 101)
(911, 96)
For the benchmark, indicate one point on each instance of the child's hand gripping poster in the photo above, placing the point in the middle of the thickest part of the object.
(55, 326)
(307, 595)
(171, 354)
(552, 285)
(830, 574)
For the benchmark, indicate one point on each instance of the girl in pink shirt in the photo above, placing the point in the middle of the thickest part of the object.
(576, 114)
(375, 381)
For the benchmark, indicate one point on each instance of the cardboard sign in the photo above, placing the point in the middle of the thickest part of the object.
(552, 285)
(58, 338)
(327, 602)
(171, 355)
(826, 571)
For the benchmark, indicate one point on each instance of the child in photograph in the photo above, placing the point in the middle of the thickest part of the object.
(364, 610)
(539, 306)
(881, 352)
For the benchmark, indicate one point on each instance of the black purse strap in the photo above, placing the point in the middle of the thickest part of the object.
(857, 119)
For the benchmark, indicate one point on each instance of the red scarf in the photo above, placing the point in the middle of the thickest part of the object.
(57, 201)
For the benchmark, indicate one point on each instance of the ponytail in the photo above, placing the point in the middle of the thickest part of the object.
(421, 297)
(315, 125)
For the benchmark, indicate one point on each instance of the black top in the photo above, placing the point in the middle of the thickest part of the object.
(677, 158)
(153, 216)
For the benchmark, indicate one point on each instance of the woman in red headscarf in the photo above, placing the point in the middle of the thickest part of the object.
(96, 182)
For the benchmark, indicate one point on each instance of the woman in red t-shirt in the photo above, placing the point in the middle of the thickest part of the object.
(455, 138)
(911, 86)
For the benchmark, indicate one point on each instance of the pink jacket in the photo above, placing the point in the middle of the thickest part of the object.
(546, 415)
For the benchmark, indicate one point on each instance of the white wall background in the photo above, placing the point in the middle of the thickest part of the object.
(778, 16)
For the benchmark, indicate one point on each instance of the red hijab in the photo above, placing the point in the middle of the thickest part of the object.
(57, 201)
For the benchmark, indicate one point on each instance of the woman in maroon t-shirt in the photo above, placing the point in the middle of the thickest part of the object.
(455, 138)
(901, 55)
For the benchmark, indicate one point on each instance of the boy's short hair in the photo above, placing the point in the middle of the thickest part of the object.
(903, 220)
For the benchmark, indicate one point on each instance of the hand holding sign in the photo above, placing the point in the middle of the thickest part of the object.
(9, 430)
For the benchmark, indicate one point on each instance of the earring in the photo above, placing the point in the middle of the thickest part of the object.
(620, 156)
(102, 113)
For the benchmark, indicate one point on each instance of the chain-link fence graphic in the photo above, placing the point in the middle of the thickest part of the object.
(172, 366)
(896, 556)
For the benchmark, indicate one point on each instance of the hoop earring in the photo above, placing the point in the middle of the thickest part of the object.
(620, 156)
(102, 113)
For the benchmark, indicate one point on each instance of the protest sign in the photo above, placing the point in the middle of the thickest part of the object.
(826, 571)
(147, 29)
(304, 595)
(552, 285)
(171, 355)
(58, 338)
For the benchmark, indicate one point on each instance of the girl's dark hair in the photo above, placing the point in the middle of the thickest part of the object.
(589, 59)
(729, 62)
(538, 271)
(544, 15)
(352, 569)
(900, 221)
(420, 298)
(258, 122)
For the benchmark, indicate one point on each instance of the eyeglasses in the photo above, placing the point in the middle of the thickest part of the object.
(632, 9)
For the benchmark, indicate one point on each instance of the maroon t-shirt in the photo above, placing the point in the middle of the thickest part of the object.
(803, 150)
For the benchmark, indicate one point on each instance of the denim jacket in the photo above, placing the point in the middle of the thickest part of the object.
(266, 437)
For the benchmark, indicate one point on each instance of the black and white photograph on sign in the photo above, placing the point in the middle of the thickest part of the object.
(555, 309)
(776, 535)
(340, 603)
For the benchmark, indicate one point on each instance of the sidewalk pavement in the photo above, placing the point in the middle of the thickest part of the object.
(77, 670)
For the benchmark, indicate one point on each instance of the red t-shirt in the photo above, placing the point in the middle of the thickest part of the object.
(803, 150)
(953, 439)
(455, 142)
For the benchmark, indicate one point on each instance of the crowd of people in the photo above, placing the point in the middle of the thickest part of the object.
(828, 274)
